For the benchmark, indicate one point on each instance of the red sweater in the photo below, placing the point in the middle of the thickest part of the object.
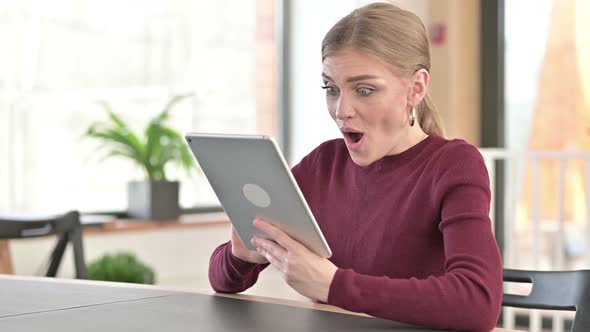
(410, 235)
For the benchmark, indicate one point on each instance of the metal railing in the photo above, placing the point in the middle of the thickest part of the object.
(516, 165)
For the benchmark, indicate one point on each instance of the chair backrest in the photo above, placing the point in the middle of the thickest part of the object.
(19, 226)
(66, 226)
(553, 290)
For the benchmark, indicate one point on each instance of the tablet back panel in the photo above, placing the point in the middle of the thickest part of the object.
(251, 179)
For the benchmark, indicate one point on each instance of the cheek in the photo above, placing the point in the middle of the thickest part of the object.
(392, 119)
(331, 107)
(388, 126)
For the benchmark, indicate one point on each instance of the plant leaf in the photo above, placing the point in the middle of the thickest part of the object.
(115, 132)
(175, 100)
(162, 144)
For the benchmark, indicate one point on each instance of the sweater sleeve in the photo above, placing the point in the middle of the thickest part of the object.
(467, 296)
(229, 274)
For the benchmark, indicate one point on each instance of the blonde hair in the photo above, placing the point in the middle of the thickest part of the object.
(394, 35)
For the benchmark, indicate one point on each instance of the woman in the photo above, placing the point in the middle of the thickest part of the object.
(405, 211)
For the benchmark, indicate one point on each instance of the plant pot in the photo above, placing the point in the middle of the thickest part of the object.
(153, 200)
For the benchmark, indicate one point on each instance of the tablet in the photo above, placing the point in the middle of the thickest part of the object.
(251, 179)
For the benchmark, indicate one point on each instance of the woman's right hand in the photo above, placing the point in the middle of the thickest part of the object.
(240, 251)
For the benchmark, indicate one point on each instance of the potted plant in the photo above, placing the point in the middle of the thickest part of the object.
(155, 198)
(121, 267)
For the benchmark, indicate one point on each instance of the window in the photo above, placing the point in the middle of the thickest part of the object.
(66, 55)
(547, 110)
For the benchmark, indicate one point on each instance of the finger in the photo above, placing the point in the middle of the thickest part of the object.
(271, 247)
(235, 237)
(276, 234)
(272, 259)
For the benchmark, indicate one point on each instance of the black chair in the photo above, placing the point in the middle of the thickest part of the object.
(66, 226)
(554, 290)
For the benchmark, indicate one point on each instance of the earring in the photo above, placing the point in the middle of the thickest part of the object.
(413, 118)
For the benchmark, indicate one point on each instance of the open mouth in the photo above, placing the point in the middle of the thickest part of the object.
(354, 137)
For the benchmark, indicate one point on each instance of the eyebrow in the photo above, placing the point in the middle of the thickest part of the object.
(354, 78)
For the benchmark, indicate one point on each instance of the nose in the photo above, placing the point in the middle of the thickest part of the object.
(343, 109)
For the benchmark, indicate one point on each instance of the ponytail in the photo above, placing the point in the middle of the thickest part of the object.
(429, 119)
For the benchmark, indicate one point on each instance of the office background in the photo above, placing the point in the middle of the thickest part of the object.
(512, 75)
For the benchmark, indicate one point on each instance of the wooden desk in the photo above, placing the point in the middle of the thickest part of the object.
(112, 225)
(42, 304)
(100, 225)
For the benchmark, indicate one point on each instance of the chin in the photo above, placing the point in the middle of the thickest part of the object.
(361, 161)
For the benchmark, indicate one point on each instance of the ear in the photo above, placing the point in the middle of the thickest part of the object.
(418, 86)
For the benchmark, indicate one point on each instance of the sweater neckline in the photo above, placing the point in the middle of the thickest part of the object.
(401, 157)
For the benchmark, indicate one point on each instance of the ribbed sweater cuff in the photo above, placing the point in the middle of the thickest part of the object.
(239, 267)
(337, 294)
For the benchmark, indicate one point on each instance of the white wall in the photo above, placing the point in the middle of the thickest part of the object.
(310, 21)
(179, 257)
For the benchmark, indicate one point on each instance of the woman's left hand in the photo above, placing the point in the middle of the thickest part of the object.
(303, 270)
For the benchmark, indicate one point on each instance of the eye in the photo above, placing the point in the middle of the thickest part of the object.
(330, 90)
(364, 91)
